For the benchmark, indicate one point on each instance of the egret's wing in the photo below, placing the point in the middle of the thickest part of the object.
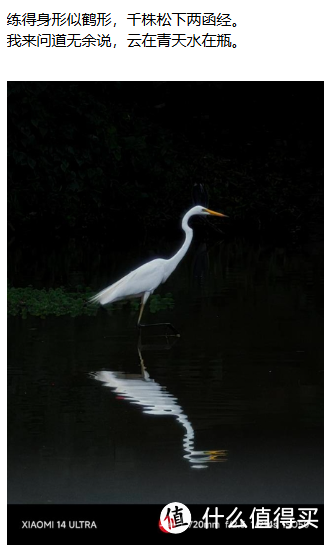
(144, 279)
(106, 296)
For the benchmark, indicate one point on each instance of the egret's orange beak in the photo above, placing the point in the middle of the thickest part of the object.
(215, 213)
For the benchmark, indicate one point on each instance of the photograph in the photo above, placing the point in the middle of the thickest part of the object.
(165, 294)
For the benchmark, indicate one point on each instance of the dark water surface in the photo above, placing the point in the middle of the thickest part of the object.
(230, 412)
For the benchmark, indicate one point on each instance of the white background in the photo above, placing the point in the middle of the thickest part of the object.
(282, 40)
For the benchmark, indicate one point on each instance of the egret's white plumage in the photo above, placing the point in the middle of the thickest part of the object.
(145, 279)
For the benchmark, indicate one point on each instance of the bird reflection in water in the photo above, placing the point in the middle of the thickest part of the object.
(141, 389)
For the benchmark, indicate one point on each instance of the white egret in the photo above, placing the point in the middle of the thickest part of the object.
(143, 281)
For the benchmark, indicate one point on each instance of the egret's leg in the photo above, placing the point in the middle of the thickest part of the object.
(144, 299)
(167, 324)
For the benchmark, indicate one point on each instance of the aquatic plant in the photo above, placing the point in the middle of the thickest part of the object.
(60, 302)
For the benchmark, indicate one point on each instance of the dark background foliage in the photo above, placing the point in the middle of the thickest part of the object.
(83, 156)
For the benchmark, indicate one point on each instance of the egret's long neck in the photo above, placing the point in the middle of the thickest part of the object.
(175, 260)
